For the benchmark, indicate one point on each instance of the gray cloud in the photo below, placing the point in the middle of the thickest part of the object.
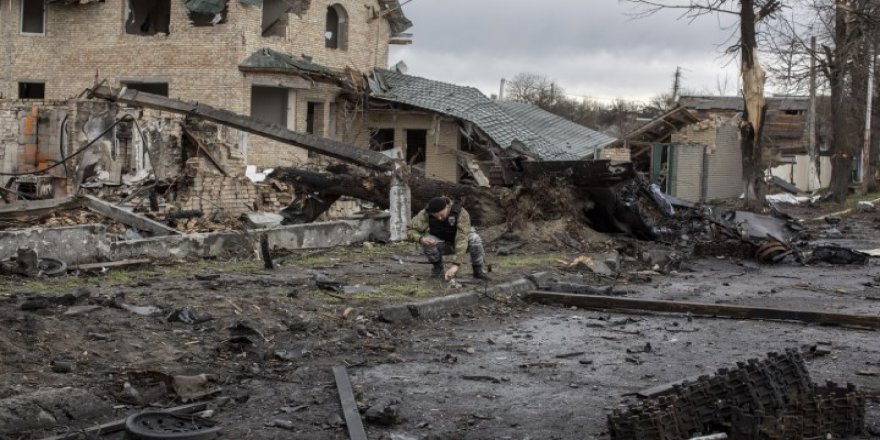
(590, 47)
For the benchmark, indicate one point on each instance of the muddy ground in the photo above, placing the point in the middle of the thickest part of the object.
(502, 370)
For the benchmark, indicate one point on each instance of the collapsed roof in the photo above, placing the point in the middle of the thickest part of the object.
(524, 129)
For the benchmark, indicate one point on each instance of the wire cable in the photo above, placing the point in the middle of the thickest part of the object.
(77, 152)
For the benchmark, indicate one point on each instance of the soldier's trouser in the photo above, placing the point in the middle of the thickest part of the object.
(475, 249)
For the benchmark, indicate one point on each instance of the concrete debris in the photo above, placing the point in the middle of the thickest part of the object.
(262, 220)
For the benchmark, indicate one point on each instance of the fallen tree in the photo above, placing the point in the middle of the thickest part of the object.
(486, 206)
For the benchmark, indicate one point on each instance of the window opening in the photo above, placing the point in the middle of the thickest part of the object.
(33, 17)
(156, 88)
(381, 139)
(315, 118)
(416, 146)
(269, 104)
(149, 17)
(336, 29)
(31, 90)
(275, 18)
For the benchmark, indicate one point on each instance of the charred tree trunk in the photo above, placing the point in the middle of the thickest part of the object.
(752, 125)
(486, 206)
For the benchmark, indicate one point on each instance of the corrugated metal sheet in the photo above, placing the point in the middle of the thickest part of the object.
(466, 103)
(577, 140)
(688, 173)
(724, 177)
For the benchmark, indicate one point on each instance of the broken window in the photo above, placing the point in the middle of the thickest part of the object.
(31, 90)
(156, 88)
(315, 118)
(381, 139)
(275, 18)
(33, 17)
(416, 146)
(269, 104)
(148, 17)
(206, 12)
(336, 30)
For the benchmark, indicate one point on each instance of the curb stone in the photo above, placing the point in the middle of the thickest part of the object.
(439, 306)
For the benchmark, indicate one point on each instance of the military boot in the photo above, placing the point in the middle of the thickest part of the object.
(479, 274)
(437, 270)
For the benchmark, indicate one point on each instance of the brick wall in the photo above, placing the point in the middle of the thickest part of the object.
(199, 63)
(615, 154)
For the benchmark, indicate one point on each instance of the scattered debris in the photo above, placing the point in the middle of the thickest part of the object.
(385, 412)
(838, 255)
(242, 333)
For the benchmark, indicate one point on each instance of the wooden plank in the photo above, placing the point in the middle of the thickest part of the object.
(349, 406)
(714, 310)
(204, 150)
(119, 425)
(109, 264)
(128, 218)
(327, 147)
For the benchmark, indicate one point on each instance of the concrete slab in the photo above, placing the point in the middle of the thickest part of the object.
(90, 243)
(435, 307)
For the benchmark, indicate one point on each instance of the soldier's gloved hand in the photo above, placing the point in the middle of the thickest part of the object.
(450, 274)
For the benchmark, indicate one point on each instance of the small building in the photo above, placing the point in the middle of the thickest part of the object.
(695, 152)
(785, 133)
(446, 129)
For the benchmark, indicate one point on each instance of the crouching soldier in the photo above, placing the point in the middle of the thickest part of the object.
(444, 228)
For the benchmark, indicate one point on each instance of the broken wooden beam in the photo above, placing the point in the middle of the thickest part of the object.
(125, 217)
(349, 406)
(327, 147)
(713, 310)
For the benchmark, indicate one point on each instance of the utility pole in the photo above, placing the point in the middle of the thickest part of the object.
(676, 85)
(813, 182)
(866, 147)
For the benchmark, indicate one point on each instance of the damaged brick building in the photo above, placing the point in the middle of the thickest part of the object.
(277, 60)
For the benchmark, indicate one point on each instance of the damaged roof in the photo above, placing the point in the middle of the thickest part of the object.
(575, 138)
(271, 60)
(469, 104)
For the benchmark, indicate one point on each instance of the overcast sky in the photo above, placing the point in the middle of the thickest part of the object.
(591, 48)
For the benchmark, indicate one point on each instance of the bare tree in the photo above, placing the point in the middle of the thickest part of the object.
(845, 31)
(750, 13)
(535, 89)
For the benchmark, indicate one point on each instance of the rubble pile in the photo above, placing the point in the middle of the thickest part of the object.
(767, 399)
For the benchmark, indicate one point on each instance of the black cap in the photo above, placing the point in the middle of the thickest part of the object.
(436, 204)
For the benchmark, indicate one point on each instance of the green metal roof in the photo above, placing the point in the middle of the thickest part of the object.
(469, 104)
(271, 59)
